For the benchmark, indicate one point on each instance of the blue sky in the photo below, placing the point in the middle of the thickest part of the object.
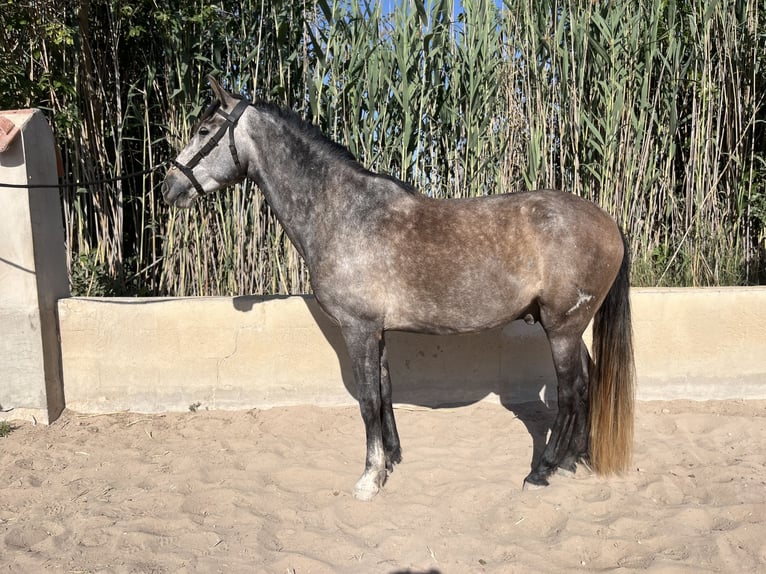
(388, 5)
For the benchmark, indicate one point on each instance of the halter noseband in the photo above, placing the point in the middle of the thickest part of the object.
(231, 121)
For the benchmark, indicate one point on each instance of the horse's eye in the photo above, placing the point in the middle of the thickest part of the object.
(203, 131)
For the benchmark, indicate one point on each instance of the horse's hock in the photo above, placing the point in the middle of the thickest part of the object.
(33, 274)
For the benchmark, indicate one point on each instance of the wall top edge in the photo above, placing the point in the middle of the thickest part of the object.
(20, 117)
(266, 298)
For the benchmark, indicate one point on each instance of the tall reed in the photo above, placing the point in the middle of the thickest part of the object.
(656, 111)
(653, 111)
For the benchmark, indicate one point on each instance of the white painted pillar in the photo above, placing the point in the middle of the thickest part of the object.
(33, 272)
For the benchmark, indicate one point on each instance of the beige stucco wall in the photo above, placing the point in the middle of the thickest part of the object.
(233, 353)
(33, 273)
(701, 343)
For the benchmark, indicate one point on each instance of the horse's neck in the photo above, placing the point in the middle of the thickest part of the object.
(309, 189)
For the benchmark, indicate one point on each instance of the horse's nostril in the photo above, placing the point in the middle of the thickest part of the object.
(166, 193)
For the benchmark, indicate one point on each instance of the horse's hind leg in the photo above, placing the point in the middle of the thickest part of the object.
(363, 342)
(391, 445)
(578, 446)
(568, 439)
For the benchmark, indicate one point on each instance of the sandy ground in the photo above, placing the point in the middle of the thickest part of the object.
(269, 491)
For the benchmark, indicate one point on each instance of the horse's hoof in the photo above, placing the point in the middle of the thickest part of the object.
(534, 483)
(567, 469)
(369, 485)
(533, 486)
(365, 493)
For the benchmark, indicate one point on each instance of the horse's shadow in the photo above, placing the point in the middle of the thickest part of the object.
(513, 363)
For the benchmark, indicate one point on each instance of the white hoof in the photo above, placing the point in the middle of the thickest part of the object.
(532, 486)
(365, 493)
(368, 486)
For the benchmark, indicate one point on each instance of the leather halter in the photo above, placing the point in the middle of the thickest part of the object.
(231, 121)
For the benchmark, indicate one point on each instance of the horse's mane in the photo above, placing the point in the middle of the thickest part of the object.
(313, 134)
(310, 131)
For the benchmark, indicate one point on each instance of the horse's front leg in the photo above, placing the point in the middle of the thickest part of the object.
(363, 342)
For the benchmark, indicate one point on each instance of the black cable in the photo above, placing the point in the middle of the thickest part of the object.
(84, 183)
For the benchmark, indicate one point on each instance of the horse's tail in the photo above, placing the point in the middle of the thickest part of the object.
(612, 378)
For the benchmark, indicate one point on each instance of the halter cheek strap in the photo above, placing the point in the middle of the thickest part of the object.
(210, 145)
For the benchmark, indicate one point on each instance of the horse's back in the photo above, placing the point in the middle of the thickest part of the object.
(532, 234)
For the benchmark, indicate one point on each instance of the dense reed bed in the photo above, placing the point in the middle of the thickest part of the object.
(654, 110)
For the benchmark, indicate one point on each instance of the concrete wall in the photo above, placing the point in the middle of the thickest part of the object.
(232, 353)
(33, 272)
(701, 343)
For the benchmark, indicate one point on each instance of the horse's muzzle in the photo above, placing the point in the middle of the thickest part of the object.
(176, 190)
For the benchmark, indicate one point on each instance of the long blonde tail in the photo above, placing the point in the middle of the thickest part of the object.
(612, 380)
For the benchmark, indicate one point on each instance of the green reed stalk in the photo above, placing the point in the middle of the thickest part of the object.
(655, 111)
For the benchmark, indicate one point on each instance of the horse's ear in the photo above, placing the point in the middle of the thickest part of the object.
(220, 94)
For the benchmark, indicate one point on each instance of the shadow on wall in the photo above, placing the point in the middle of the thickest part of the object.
(514, 363)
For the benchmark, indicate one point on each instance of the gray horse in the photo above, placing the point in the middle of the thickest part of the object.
(383, 257)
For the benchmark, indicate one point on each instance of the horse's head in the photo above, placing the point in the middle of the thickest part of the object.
(207, 164)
